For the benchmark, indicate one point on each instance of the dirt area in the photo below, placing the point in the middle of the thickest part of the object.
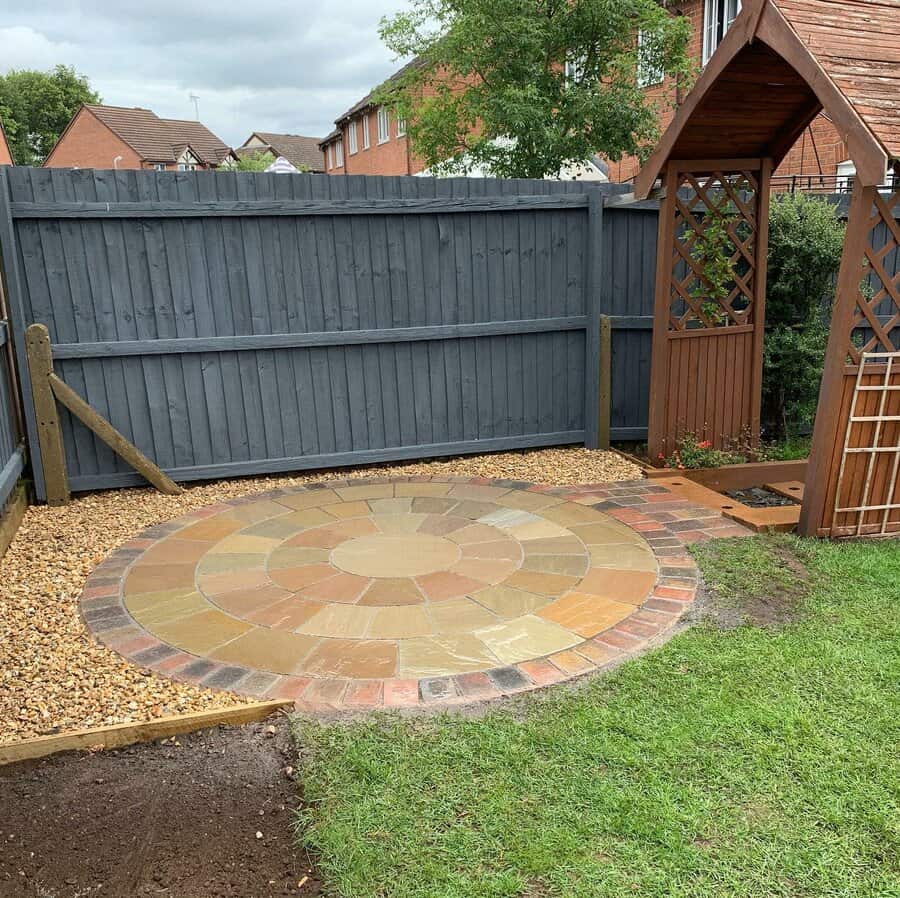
(759, 497)
(208, 815)
(54, 678)
(768, 592)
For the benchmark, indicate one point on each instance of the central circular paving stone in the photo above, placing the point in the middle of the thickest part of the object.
(391, 582)
(386, 555)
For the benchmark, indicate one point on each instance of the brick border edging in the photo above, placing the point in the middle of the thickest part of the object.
(106, 619)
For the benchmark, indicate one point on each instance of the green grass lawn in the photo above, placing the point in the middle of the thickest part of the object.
(743, 762)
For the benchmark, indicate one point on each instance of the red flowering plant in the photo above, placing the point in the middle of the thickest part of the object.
(692, 452)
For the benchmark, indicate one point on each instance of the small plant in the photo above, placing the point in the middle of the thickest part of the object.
(713, 249)
(691, 452)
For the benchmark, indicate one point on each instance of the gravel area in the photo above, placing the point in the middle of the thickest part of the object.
(54, 678)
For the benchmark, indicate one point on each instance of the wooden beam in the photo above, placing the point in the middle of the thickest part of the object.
(604, 398)
(106, 432)
(761, 257)
(270, 208)
(50, 441)
(828, 429)
(244, 342)
(123, 734)
(592, 353)
(659, 355)
(11, 516)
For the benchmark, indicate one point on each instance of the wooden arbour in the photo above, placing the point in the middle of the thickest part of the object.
(780, 65)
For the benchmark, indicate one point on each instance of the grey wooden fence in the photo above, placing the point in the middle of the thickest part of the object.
(12, 453)
(241, 323)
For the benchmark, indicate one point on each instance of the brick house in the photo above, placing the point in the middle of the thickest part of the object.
(5, 155)
(301, 152)
(818, 151)
(367, 140)
(121, 137)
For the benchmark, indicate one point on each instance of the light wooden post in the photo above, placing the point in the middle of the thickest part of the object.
(50, 442)
(125, 449)
(604, 398)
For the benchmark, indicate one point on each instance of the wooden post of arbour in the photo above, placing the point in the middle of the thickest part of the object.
(53, 457)
(830, 428)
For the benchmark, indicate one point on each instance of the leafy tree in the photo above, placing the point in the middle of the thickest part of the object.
(35, 107)
(491, 85)
(252, 161)
(805, 242)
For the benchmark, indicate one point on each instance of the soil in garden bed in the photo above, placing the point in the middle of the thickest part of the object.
(759, 497)
(177, 819)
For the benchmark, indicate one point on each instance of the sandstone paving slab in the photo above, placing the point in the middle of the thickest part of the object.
(393, 592)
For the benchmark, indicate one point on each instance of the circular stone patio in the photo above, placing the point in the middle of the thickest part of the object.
(364, 594)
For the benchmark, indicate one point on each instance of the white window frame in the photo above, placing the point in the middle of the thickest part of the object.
(365, 125)
(401, 127)
(352, 142)
(159, 166)
(647, 74)
(339, 153)
(383, 120)
(717, 18)
(187, 166)
(573, 69)
(330, 155)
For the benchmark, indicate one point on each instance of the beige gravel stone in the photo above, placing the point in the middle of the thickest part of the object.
(55, 678)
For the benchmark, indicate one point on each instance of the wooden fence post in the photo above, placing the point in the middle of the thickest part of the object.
(124, 448)
(53, 457)
(604, 398)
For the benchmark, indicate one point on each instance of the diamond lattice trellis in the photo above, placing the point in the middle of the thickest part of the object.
(714, 250)
(878, 301)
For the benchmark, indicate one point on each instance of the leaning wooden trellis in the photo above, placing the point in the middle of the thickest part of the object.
(780, 65)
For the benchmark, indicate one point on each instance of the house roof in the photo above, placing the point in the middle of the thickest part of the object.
(157, 139)
(366, 101)
(781, 63)
(297, 149)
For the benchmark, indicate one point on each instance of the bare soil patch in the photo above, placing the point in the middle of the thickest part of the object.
(763, 587)
(177, 819)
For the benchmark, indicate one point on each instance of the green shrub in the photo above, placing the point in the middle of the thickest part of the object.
(805, 242)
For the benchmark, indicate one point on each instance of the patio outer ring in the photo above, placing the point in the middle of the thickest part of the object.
(108, 621)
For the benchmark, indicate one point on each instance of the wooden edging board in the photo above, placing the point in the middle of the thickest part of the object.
(778, 517)
(11, 516)
(737, 477)
(120, 735)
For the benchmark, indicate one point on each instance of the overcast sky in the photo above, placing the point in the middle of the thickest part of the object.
(288, 66)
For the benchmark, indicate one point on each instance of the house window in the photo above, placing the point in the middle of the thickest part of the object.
(648, 72)
(574, 69)
(401, 127)
(846, 172)
(338, 153)
(330, 155)
(187, 166)
(717, 18)
(365, 127)
(384, 125)
(351, 138)
(159, 166)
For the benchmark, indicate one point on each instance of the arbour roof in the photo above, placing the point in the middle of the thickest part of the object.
(781, 63)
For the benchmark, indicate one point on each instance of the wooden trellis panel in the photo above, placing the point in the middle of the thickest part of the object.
(853, 488)
(710, 303)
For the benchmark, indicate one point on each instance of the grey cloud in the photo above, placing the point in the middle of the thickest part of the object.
(275, 66)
